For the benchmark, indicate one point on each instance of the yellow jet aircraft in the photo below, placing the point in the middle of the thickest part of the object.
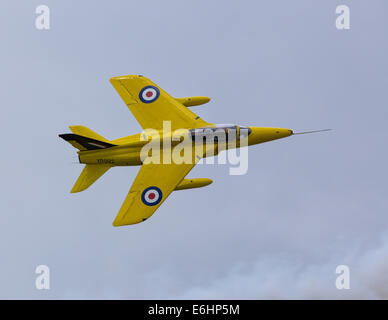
(152, 106)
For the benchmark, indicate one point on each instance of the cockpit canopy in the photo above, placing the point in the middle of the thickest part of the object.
(220, 133)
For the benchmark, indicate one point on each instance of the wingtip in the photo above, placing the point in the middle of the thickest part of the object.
(129, 76)
(125, 222)
(77, 189)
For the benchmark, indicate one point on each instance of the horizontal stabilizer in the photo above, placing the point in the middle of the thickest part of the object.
(88, 176)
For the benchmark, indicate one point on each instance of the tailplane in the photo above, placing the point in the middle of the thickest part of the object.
(88, 176)
(85, 139)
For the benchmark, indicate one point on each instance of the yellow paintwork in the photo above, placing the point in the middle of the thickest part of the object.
(86, 132)
(164, 108)
(88, 176)
(260, 135)
(125, 151)
(163, 176)
(193, 101)
(193, 183)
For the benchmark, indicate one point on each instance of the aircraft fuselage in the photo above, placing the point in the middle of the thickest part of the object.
(129, 152)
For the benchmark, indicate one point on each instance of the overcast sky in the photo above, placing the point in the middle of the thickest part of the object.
(307, 204)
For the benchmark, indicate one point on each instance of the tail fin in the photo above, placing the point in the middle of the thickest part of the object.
(84, 143)
(86, 132)
(83, 139)
(88, 176)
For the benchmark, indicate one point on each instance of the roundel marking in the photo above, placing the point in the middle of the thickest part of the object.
(151, 196)
(149, 94)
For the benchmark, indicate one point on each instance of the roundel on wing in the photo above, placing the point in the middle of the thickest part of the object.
(149, 94)
(151, 196)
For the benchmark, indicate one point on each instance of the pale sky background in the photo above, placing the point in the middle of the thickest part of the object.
(307, 204)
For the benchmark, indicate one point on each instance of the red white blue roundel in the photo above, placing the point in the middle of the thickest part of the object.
(149, 94)
(151, 196)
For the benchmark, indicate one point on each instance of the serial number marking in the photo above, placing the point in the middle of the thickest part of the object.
(110, 161)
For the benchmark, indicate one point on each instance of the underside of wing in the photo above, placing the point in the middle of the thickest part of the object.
(153, 184)
(151, 105)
